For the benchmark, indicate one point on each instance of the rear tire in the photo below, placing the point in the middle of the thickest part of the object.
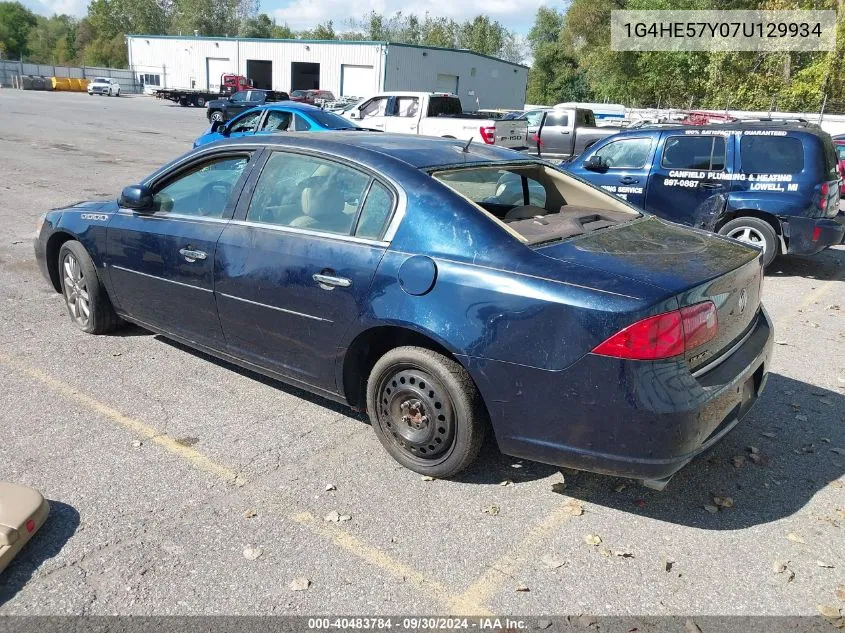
(86, 299)
(426, 411)
(755, 232)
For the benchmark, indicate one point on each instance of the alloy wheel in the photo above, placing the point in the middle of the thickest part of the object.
(76, 290)
(749, 235)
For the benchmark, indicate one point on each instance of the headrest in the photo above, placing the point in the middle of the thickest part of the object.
(321, 200)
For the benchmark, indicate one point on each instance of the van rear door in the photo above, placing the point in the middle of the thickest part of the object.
(691, 176)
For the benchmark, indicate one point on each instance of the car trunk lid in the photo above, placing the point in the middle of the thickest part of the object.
(692, 266)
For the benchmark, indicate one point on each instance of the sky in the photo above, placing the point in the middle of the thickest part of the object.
(517, 15)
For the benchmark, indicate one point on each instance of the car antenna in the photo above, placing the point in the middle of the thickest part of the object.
(465, 150)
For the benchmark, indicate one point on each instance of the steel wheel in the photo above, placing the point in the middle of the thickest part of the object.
(75, 290)
(749, 235)
(416, 413)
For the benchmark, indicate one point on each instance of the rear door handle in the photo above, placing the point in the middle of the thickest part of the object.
(192, 255)
(329, 282)
(628, 180)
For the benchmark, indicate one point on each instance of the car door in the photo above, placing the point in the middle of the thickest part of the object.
(374, 112)
(628, 163)
(404, 116)
(161, 262)
(237, 103)
(555, 134)
(533, 119)
(293, 271)
(691, 179)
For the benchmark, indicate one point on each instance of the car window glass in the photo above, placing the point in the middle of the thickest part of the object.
(694, 152)
(202, 191)
(771, 154)
(495, 186)
(308, 193)
(277, 121)
(625, 154)
(557, 118)
(533, 118)
(239, 96)
(375, 212)
(300, 124)
(376, 107)
(246, 123)
(840, 151)
(407, 106)
(256, 95)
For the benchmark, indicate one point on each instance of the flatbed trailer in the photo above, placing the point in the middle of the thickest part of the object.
(185, 98)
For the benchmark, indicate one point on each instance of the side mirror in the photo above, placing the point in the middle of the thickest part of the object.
(596, 163)
(137, 198)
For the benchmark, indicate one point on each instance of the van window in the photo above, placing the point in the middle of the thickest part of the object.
(694, 152)
(771, 154)
(629, 153)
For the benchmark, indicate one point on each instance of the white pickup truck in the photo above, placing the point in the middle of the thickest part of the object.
(436, 114)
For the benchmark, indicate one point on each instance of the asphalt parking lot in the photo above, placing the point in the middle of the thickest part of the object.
(183, 485)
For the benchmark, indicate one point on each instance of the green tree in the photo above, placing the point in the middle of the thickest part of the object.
(261, 26)
(50, 41)
(208, 17)
(15, 23)
(283, 32)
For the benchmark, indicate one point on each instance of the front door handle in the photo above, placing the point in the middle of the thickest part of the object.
(329, 282)
(192, 255)
(628, 180)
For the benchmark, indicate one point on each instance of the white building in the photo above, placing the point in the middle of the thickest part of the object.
(346, 68)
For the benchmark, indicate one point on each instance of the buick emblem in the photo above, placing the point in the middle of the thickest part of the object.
(743, 300)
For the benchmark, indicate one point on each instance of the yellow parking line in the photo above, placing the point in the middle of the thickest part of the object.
(200, 461)
(507, 567)
(378, 558)
(349, 542)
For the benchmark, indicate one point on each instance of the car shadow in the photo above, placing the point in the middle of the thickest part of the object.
(771, 465)
(827, 265)
(130, 329)
(271, 382)
(60, 525)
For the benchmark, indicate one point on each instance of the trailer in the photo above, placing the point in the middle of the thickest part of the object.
(229, 84)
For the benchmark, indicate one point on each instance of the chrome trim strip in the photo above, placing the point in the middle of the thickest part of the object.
(171, 216)
(293, 229)
(170, 281)
(714, 364)
(264, 305)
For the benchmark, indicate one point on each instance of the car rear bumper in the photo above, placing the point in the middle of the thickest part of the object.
(643, 420)
(808, 236)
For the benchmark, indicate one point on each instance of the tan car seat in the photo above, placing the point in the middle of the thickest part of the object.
(322, 208)
(22, 512)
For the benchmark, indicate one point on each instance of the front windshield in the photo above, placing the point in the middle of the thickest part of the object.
(100, 80)
(297, 93)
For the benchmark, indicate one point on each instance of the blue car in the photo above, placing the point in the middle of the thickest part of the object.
(287, 116)
(400, 275)
(771, 184)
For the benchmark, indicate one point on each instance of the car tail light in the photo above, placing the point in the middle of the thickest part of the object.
(823, 199)
(488, 134)
(664, 335)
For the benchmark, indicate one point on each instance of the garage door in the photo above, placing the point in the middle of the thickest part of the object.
(215, 67)
(357, 81)
(447, 83)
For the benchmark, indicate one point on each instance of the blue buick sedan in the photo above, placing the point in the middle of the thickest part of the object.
(403, 276)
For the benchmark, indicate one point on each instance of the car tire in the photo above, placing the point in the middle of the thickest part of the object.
(755, 232)
(79, 280)
(426, 411)
(216, 116)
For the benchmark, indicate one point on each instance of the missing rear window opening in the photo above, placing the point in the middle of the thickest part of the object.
(536, 203)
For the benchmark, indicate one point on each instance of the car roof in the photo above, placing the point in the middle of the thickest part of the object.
(774, 124)
(289, 105)
(421, 152)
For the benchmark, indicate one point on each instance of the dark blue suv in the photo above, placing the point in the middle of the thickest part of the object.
(773, 185)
